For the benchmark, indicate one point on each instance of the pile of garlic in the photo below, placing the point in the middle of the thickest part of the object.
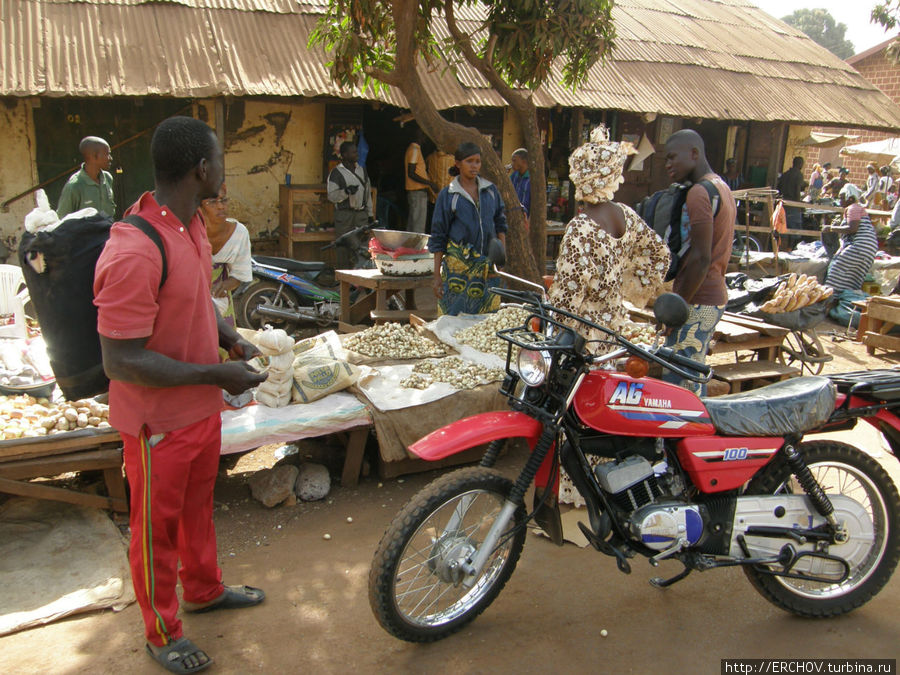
(639, 333)
(27, 417)
(483, 335)
(393, 341)
(452, 370)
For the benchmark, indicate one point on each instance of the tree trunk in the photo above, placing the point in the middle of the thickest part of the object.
(448, 135)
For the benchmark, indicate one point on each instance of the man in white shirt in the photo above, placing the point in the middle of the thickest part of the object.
(350, 190)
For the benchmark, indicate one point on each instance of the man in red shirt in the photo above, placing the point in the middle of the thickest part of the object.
(707, 231)
(160, 352)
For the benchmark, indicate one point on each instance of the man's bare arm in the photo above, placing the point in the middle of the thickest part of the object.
(130, 361)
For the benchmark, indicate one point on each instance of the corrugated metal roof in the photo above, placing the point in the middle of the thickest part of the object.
(694, 58)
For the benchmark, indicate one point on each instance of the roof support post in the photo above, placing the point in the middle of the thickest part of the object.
(776, 157)
(220, 121)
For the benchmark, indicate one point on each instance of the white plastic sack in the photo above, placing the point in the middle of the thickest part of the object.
(273, 341)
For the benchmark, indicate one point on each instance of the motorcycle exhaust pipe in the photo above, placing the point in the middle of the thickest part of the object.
(278, 313)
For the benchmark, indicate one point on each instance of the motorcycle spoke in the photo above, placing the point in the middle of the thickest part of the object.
(840, 479)
(426, 589)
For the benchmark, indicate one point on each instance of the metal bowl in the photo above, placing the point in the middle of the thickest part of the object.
(394, 239)
(38, 390)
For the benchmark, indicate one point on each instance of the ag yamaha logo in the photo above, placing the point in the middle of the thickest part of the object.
(628, 394)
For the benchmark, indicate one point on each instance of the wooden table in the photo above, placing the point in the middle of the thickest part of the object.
(52, 455)
(101, 449)
(375, 305)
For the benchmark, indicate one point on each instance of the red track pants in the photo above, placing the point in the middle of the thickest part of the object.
(171, 519)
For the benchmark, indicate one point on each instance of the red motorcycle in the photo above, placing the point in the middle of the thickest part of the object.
(711, 482)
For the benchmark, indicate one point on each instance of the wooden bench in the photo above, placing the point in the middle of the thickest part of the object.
(747, 375)
(882, 316)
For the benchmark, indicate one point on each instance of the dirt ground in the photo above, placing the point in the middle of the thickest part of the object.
(548, 619)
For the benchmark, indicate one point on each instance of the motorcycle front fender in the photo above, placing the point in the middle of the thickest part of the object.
(473, 431)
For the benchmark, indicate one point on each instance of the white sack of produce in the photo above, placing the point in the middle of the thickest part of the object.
(276, 390)
(272, 400)
(277, 346)
(281, 363)
(279, 378)
(318, 376)
(323, 344)
(795, 293)
(273, 341)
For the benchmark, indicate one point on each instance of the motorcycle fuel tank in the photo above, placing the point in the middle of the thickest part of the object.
(615, 403)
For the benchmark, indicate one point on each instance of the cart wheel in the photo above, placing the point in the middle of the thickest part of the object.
(803, 350)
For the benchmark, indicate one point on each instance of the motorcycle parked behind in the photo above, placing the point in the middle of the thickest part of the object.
(286, 293)
(711, 482)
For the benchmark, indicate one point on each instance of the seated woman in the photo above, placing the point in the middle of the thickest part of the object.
(607, 247)
(230, 243)
(859, 244)
(468, 213)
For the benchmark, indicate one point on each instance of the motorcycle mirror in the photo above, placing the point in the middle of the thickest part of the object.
(671, 310)
(496, 253)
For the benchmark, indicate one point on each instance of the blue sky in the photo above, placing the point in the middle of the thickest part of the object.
(853, 13)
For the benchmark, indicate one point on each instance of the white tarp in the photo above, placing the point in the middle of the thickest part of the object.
(381, 385)
(56, 560)
(881, 152)
(446, 326)
(256, 425)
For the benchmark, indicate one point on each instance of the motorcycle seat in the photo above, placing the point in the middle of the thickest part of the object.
(293, 266)
(790, 407)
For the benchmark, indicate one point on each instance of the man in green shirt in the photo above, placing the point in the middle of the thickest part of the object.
(91, 185)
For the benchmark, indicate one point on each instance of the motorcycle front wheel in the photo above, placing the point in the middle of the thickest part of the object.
(261, 293)
(840, 469)
(415, 583)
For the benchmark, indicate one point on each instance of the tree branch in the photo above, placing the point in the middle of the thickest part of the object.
(489, 50)
(389, 78)
(464, 43)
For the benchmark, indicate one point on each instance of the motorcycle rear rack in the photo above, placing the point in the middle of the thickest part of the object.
(881, 385)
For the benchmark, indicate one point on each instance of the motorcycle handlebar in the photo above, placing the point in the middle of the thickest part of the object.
(680, 365)
(349, 236)
(684, 361)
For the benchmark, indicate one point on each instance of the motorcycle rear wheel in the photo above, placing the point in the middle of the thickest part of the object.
(260, 293)
(413, 587)
(840, 469)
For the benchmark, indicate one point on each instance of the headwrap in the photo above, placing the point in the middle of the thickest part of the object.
(596, 167)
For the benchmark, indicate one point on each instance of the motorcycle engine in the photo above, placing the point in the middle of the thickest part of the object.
(631, 482)
(634, 487)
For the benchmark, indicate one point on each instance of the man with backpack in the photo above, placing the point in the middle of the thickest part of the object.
(160, 346)
(707, 232)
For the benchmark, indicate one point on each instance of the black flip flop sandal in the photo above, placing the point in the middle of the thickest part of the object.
(233, 597)
(180, 656)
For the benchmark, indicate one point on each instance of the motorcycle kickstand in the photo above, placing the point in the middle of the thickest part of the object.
(659, 582)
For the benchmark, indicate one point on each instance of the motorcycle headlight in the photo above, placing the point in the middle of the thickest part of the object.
(533, 366)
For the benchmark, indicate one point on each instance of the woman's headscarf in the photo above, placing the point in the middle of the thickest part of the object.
(596, 167)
